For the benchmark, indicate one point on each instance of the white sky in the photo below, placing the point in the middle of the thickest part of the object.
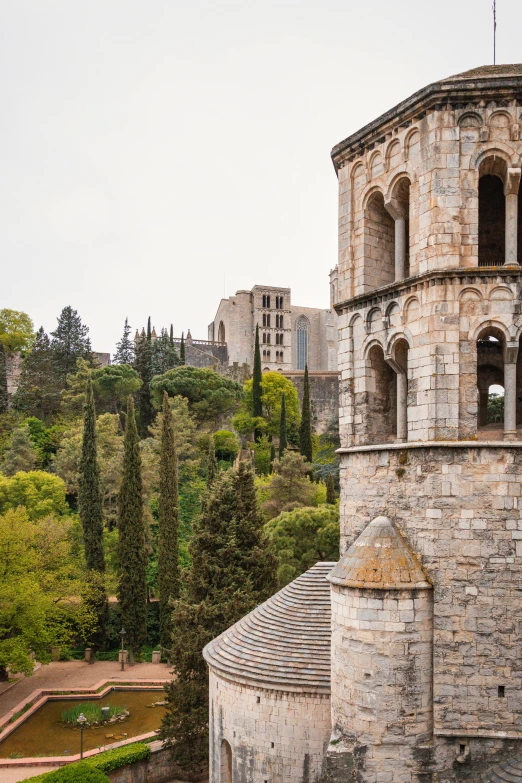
(156, 152)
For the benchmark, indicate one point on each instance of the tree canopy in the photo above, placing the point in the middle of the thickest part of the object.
(303, 537)
(289, 486)
(273, 385)
(39, 492)
(210, 395)
(38, 576)
(16, 330)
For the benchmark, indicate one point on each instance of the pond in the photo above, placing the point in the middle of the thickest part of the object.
(43, 734)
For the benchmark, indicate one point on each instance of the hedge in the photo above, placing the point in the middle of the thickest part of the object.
(99, 764)
(81, 772)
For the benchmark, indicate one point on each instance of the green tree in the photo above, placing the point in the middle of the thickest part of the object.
(210, 396)
(330, 490)
(232, 570)
(89, 490)
(39, 492)
(303, 537)
(39, 579)
(16, 330)
(164, 355)
(113, 384)
(305, 430)
(182, 349)
(16, 334)
(226, 445)
(70, 342)
(45, 440)
(283, 443)
(21, 454)
(211, 462)
(132, 557)
(168, 529)
(290, 486)
(66, 463)
(257, 390)
(274, 385)
(125, 347)
(143, 366)
(38, 392)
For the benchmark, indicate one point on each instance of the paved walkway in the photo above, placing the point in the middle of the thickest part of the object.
(65, 675)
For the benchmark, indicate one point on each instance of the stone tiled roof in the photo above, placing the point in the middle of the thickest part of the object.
(283, 643)
(509, 771)
(379, 559)
(487, 72)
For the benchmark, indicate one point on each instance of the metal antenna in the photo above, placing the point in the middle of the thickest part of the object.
(494, 32)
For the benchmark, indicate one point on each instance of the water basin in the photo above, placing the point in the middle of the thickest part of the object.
(42, 734)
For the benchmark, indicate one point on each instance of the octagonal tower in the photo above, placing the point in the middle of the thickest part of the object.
(430, 318)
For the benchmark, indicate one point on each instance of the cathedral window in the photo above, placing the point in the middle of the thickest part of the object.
(302, 328)
(266, 300)
(264, 337)
(268, 338)
(264, 319)
(268, 320)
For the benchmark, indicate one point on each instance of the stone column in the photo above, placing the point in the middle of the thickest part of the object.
(510, 390)
(402, 396)
(398, 212)
(511, 193)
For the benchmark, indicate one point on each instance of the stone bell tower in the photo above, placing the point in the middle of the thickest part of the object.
(430, 321)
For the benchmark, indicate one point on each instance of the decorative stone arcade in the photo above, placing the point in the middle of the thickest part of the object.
(430, 317)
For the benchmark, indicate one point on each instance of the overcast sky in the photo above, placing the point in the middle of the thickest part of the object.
(156, 153)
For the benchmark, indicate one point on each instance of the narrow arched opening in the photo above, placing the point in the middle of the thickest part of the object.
(400, 361)
(495, 377)
(382, 395)
(398, 208)
(221, 332)
(226, 762)
(379, 243)
(492, 221)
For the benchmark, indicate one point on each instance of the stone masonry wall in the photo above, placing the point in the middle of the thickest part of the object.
(324, 396)
(275, 736)
(382, 680)
(460, 510)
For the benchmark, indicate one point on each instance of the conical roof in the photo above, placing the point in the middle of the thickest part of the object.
(379, 559)
(284, 643)
(509, 771)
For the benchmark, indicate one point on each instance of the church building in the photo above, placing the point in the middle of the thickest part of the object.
(402, 662)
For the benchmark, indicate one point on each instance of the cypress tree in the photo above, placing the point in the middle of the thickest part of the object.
(182, 349)
(149, 331)
(272, 457)
(211, 462)
(283, 443)
(168, 515)
(305, 429)
(171, 337)
(4, 398)
(143, 366)
(330, 490)
(89, 490)
(91, 518)
(232, 570)
(132, 557)
(257, 389)
(125, 348)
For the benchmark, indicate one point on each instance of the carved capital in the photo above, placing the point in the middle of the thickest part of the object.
(512, 182)
(396, 209)
(511, 353)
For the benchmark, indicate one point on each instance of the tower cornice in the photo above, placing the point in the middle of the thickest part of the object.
(461, 276)
(502, 84)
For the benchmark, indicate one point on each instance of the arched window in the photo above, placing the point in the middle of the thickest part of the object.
(221, 332)
(268, 339)
(264, 338)
(264, 319)
(264, 354)
(379, 244)
(264, 300)
(226, 763)
(302, 327)
(492, 221)
(268, 320)
(268, 356)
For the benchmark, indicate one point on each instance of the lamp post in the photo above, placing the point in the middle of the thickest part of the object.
(122, 634)
(81, 720)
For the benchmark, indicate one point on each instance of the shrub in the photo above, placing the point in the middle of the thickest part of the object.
(81, 772)
(226, 445)
(84, 771)
(119, 757)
